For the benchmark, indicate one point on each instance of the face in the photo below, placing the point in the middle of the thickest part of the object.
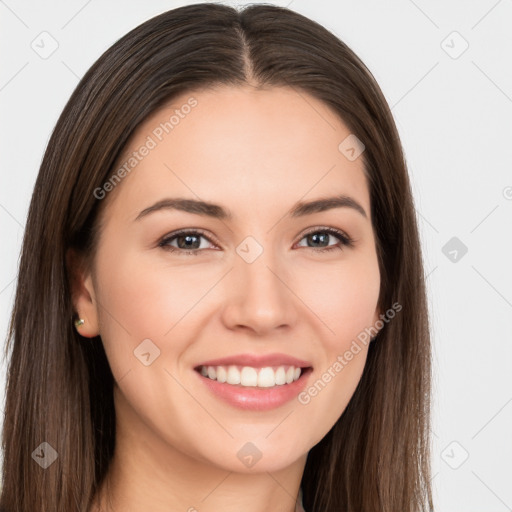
(254, 289)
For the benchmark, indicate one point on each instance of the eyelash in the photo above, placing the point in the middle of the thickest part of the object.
(342, 237)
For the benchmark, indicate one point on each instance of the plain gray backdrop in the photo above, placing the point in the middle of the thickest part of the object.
(445, 69)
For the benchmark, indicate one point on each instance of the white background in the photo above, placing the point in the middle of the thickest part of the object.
(453, 112)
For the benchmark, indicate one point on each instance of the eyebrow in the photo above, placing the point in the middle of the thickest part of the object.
(216, 211)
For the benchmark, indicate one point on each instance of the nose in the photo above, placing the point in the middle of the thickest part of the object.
(259, 297)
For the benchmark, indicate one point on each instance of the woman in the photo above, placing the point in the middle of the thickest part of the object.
(178, 340)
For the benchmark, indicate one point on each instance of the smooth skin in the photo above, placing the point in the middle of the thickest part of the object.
(256, 153)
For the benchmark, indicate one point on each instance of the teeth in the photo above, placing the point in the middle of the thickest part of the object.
(248, 376)
(280, 376)
(222, 375)
(266, 378)
(233, 375)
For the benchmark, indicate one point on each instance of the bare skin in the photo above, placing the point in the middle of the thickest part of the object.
(256, 153)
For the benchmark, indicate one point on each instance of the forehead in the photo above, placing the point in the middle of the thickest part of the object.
(241, 146)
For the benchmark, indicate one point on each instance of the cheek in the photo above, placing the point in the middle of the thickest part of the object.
(344, 299)
(141, 299)
(346, 306)
(146, 298)
(132, 306)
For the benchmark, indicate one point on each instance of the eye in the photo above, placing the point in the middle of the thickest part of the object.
(188, 242)
(321, 236)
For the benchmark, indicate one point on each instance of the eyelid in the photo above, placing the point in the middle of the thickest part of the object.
(345, 239)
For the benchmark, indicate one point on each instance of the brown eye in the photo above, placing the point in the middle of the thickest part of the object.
(188, 242)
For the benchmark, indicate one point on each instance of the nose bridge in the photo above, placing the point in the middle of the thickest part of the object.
(258, 296)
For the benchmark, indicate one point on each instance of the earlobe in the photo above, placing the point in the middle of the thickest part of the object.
(87, 321)
(83, 296)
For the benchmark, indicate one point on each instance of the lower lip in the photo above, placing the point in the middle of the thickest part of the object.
(253, 398)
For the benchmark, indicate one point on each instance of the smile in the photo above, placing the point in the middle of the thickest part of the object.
(254, 389)
(266, 377)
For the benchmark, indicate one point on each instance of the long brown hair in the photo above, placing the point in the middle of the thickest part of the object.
(59, 390)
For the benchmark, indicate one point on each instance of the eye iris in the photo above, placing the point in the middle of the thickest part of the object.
(188, 239)
(316, 236)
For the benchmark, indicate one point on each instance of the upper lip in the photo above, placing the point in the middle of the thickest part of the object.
(257, 361)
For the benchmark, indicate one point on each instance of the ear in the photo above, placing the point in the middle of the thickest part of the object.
(83, 294)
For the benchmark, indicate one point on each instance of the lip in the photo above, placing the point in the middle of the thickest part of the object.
(252, 398)
(257, 361)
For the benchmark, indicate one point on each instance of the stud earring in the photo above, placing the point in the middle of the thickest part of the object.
(79, 322)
